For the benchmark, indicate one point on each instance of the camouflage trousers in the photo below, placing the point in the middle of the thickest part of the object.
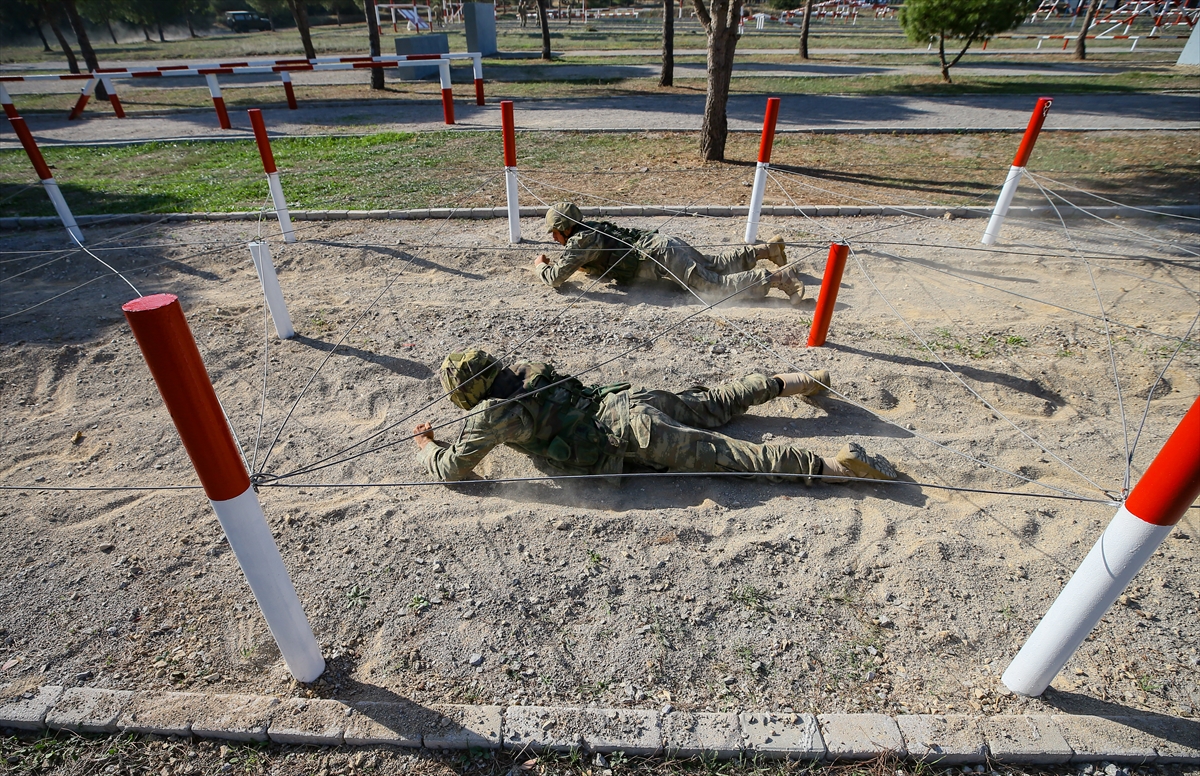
(669, 431)
(712, 277)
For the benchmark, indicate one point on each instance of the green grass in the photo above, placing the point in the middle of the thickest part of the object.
(443, 169)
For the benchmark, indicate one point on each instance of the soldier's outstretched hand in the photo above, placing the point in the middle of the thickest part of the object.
(423, 435)
(540, 260)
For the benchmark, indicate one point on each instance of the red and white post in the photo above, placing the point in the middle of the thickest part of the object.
(477, 72)
(1152, 509)
(286, 77)
(1000, 212)
(268, 160)
(10, 110)
(508, 130)
(835, 265)
(43, 172)
(85, 94)
(170, 351)
(113, 99)
(447, 92)
(260, 254)
(760, 171)
(214, 89)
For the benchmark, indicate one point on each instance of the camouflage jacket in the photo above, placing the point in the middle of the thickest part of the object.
(517, 423)
(595, 248)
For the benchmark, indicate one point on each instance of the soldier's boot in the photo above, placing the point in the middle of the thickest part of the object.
(804, 383)
(863, 464)
(788, 281)
(773, 250)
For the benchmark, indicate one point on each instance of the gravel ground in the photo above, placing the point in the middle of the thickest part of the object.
(704, 593)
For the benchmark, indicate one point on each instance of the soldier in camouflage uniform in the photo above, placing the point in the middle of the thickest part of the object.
(577, 429)
(602, 248)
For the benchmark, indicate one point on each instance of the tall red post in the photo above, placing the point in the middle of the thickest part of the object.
(835, 265)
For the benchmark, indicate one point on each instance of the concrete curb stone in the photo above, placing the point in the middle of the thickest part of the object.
(314, 722)
(235, 717)
(1031, 739)
(794, 736)
(384, 723)
(88, 710)
(950, 739)
(687, 734)
(466, 727)
(27, 711)
(860, 736)
(548, 728)
(1178, 740)
(1105, 738)
(164, 714)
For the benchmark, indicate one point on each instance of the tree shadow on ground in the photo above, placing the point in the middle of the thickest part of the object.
(30, 201)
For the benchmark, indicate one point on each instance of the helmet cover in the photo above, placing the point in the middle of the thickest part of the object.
(563, 217)
(467, 377)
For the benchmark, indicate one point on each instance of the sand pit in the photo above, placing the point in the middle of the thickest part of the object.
(704, 593)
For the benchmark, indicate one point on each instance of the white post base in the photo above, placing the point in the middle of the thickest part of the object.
(756, 198)
(64, 212)
(514, 210)
(281, 208)
(260, 252)
(1002, 203)
(250, 539)
(1123, 549)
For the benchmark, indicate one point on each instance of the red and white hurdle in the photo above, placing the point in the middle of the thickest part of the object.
(761, 169)
(1000, 212)
(43, 172)
(508, 130)
(170, 351)
(268, 160)
(1157, 502)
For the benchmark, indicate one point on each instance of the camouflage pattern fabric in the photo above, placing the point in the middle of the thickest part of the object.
(713, 277)
(658, 429)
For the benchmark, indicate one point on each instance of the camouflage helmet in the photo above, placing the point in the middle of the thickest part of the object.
(563, 217)
(467, 377)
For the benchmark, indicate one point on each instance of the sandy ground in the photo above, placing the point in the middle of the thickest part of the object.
(703, 593)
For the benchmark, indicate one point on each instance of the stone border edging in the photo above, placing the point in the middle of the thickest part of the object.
(950, 739)
(723, 211)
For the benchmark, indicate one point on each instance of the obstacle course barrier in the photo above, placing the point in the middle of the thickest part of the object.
(268, 160)
(761, 169)
(1000, 212)
(47, 178)
(170, 351)
(835, 265)
(1157, 502)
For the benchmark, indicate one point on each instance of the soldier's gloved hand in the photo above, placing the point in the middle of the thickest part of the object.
(540, 260)
(423, 435)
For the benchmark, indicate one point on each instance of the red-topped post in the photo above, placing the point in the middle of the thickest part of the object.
(170, 351)
(835, 265)
(509, 132)
(760, 171)
(1017, 170)
(1156, 504)
(268, 160)
(46, 177)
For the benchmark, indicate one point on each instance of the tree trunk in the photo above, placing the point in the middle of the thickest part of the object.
(146, 32)
(85, 45)
(373, 36)
(337, 15)
(111, 34)
(544, 19)
(722, 29)
(804, 22)
(161, 37)
(942, 58)
(300, 14)
(1081, 41)
(667, 78)
(191, 30)
(72, 63)
(37, 23)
